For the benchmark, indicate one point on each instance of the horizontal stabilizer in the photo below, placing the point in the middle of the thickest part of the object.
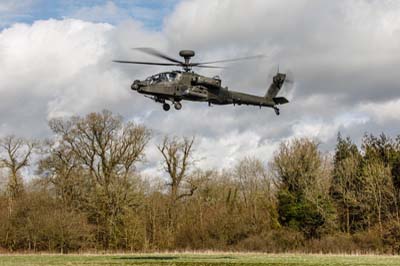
(280, 100)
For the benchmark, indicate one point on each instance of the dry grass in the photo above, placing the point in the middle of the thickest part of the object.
(206, 258)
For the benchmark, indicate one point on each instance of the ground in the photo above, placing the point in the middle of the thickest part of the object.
(198, 260)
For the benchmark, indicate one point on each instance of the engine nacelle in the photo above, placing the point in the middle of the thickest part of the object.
(197, 92)
(204, 81)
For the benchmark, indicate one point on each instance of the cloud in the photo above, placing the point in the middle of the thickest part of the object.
(383, 112)
(58, 67)
(343, 54)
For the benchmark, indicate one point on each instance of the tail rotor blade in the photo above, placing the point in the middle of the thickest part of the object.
(289, 77)
(289, 81)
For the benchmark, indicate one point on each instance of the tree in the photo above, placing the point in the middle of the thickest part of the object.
(178, 161)
(255, 187)
(346, 187)
(107, 150)
(380, 162)
(39, 223)
(62, 170)
(15, 154)
(379, 189)
(302, 179)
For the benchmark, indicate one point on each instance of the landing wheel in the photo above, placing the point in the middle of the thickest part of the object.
(166, 106)
(277, 112)
(178, 105)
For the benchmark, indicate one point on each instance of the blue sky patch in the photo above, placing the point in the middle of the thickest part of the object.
(150, 13)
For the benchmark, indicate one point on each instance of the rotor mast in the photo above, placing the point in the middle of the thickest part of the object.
(187, 55)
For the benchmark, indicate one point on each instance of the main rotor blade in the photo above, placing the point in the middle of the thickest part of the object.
(231, 60)
(209, 66)
(145, 63)
(156, 53)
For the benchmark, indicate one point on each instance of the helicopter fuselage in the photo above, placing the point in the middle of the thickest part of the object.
(176, 86)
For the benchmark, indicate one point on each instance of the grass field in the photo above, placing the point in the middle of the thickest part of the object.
(196, 259)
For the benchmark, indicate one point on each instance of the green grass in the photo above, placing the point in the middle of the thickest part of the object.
(197, 260)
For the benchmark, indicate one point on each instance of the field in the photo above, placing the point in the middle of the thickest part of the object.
(197, 259)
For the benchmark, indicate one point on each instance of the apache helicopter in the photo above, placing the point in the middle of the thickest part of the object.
(175, 86)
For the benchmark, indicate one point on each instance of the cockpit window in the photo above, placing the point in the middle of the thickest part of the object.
(173, 76)
(169, 76)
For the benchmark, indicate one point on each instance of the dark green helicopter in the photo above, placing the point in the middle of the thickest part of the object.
(175, 86)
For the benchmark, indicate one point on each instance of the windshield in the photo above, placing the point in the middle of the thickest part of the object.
(168, 76)
(173, 76)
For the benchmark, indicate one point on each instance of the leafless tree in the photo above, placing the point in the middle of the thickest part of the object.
(379, 190)
(61, 169)
(255, 186)
(346, 187)
(177, 163)
(15, 155)
(107, 150)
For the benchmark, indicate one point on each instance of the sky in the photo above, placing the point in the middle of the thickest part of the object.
(56, 60)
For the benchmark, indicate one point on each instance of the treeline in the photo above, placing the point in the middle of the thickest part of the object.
(87, 194)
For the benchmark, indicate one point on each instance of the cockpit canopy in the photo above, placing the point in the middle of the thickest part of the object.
(164, 77)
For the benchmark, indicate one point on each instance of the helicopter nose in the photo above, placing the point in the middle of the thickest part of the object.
(135, 85)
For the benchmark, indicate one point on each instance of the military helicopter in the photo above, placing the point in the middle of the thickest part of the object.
(175, 86)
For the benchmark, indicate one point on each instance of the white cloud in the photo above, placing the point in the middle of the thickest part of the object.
(62, 67)
(327, 130)
(383, 112)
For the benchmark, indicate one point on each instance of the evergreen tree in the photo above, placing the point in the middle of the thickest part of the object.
(303, 203)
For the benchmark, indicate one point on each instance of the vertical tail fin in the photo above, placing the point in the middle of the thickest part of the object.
(276, 85)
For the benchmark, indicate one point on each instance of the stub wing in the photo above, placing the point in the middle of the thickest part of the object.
(280, 100)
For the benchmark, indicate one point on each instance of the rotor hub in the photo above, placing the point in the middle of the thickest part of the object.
(187, 53)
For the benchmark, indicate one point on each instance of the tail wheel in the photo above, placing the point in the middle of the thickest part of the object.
(166, 107)
(277, 112)
(178, 106)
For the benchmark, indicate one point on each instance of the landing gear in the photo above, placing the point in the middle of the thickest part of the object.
(178, 105)
(276, 109)
(166, 107)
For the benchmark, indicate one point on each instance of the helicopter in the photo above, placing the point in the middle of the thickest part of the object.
(178, 85)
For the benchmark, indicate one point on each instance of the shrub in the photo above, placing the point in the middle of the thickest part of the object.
(391, 237)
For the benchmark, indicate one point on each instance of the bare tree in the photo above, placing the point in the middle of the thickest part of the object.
(61, 169)
(255, 186)
(107, 150)
(177, 163)
(379, 190)
(345, 187)
(15, 154)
